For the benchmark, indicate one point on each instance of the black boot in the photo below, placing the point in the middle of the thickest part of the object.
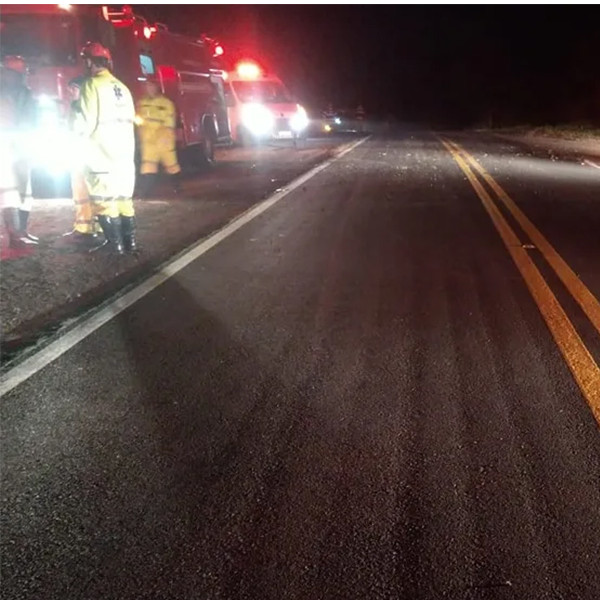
(23, 220)
(128, 229)
(113, 239)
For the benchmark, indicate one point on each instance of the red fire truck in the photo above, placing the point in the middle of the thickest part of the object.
(50, 37)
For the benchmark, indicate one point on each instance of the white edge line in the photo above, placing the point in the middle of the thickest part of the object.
(22, 371)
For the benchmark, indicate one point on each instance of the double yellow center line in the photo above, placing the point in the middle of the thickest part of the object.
(579, 359)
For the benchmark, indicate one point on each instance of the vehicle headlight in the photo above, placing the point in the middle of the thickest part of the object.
(300, 120)
(257, 118)
(337, 121)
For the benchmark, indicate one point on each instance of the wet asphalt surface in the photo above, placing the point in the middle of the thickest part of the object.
(353, 396)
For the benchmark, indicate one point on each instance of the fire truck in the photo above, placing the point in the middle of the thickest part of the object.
(49, 38)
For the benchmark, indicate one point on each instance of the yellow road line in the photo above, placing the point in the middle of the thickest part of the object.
(581, 363)
(588, 302)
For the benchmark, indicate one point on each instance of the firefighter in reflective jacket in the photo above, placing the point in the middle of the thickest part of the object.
(105, 127)
(86, 227)
(156, 127)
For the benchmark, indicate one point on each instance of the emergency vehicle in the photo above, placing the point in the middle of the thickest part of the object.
(260, 107)
(50, 37)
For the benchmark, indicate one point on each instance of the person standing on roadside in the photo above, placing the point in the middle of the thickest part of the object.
(105, 126)
(156, 129)
(18, 120)
(86, 227)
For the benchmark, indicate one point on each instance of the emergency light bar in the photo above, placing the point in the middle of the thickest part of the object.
(248, 70)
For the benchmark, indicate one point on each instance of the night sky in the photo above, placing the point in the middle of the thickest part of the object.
(458, 65)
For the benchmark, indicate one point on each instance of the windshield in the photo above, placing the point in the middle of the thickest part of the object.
(47, 40)
(268, 92)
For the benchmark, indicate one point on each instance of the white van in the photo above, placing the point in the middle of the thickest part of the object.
(260, 107)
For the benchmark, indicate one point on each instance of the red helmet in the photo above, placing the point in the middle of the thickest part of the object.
(15, 63)
(95, 50)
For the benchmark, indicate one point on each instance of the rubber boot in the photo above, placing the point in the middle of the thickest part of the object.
(12, 222)
(23, 220)
(128, 230)
(81, 240)
(112, 234)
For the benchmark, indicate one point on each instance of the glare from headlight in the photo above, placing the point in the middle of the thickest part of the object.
(257, 118)
(337, 121)
(52, 149)
(299, 121)
(46, 102)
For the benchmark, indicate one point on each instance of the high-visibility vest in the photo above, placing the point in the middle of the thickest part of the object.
(156, 112)
(106, 122)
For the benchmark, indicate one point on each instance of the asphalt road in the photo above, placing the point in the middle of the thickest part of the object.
(355, 395)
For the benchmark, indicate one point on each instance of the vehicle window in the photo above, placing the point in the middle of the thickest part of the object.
(267, 92)
(146, 64)
(44, 40)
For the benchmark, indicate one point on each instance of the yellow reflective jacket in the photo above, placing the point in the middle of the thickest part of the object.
(156, 112)
(105, 121)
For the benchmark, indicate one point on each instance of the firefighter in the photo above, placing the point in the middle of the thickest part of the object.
(18, 120)
(157, 118)
(105, 124)
(86, 228)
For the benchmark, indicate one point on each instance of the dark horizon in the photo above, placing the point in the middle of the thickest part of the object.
(449, 64)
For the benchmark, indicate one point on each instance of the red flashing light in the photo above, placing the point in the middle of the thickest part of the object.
(167, 73)
(123, 18)
(149, 32)
(219, 50)
(248, 70)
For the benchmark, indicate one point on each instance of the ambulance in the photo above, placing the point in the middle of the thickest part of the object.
(260, 107)
(50, 37)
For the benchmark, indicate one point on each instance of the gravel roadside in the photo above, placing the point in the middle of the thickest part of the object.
(42, 289)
